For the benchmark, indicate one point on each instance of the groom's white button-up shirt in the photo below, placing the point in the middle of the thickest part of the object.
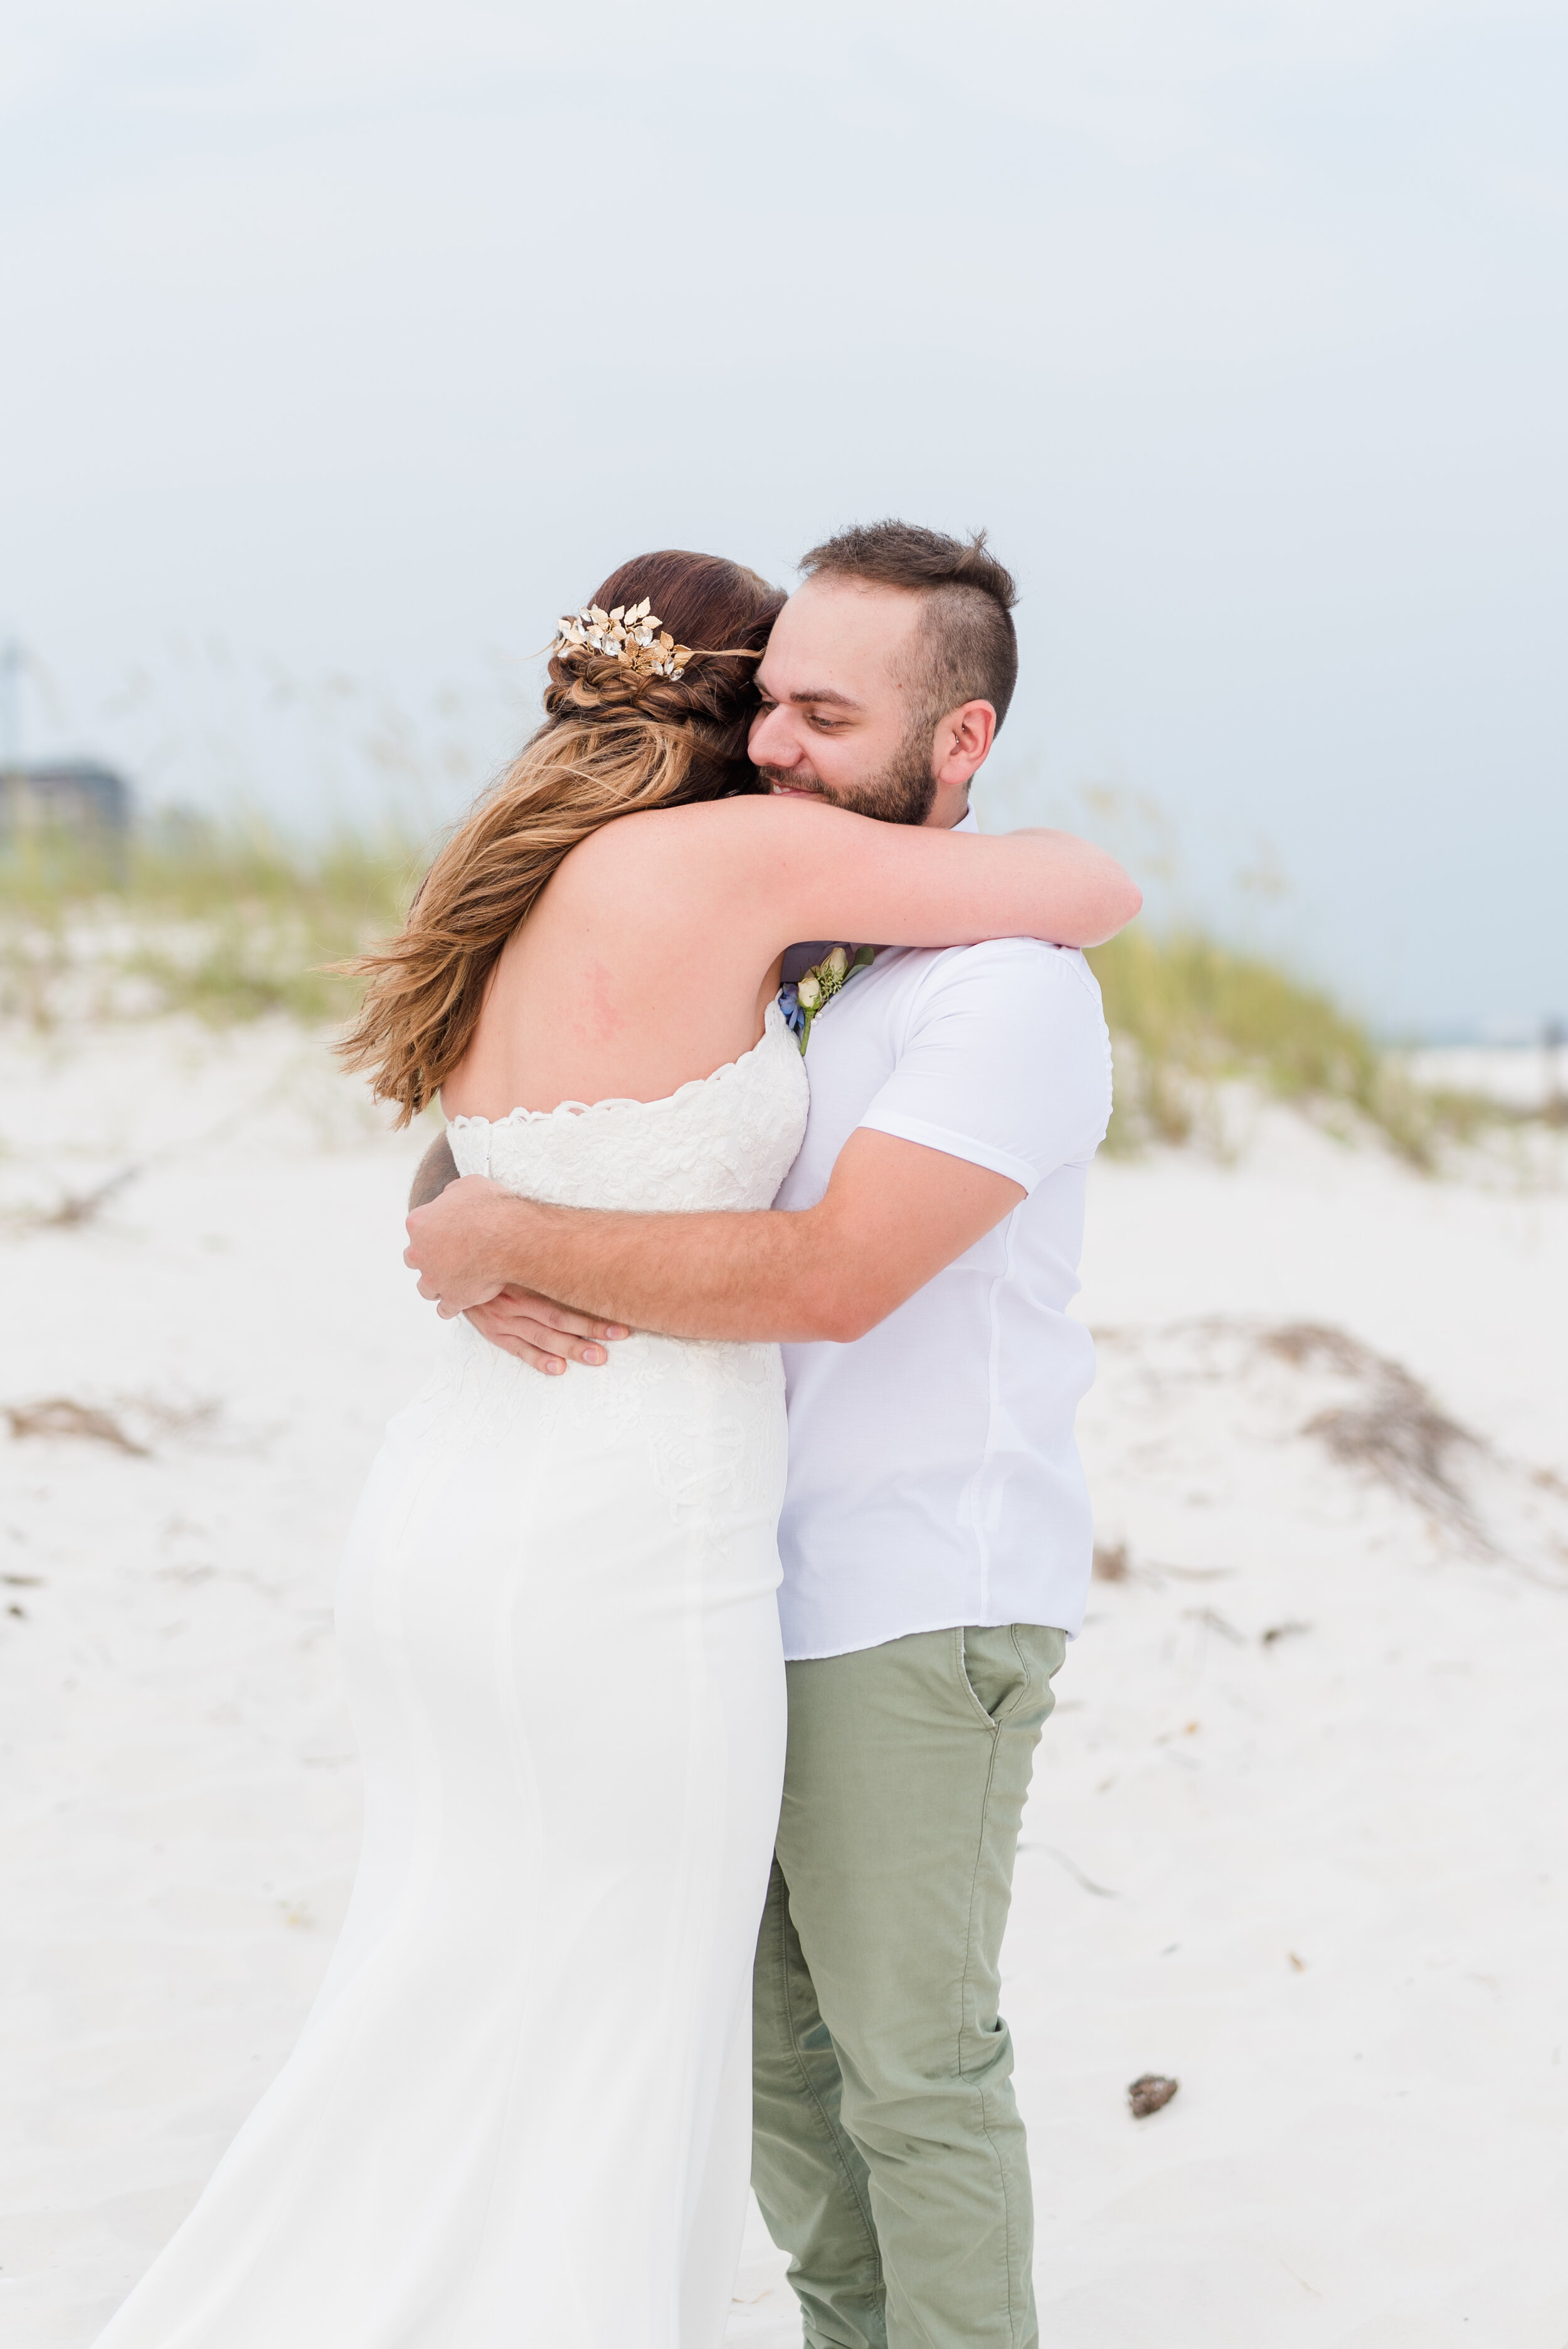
(934, 1476)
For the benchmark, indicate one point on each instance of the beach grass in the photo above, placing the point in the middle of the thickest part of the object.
(1190, 1015)
(231, 921)
(228, 921)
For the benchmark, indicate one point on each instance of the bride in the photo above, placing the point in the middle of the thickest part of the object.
(519, 2110)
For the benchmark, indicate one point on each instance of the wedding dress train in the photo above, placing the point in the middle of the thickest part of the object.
(520, 2111)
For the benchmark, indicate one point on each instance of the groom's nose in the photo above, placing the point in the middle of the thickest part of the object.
(772, 741)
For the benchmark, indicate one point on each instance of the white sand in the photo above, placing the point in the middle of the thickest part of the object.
(1319, 1878)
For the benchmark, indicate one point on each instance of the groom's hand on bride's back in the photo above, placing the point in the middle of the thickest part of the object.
(453, 1243)
(450, 1242)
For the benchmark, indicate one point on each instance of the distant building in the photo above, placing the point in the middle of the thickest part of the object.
(63, 795)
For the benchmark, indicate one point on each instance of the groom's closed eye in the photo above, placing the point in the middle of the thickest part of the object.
(813, 716)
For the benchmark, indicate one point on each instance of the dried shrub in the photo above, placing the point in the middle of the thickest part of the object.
(1395, 1432)
(62, 1415)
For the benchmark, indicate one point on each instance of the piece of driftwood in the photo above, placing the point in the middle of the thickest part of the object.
(62, 1415)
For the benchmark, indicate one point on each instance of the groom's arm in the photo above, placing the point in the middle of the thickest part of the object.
(893, 1215)
(1004, 1076)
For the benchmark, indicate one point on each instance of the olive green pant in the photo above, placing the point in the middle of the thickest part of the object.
(887, 2155)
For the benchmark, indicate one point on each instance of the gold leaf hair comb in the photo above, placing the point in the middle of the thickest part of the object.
(630, 633)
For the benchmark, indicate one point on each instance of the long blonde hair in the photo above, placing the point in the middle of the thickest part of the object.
(613, 742)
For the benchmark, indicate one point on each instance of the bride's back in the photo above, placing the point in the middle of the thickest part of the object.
(647, 962)
(511, 983)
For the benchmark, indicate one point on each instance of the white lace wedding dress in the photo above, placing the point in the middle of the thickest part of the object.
(519, 2112)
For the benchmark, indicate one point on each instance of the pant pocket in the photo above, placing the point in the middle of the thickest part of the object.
(994, 1667)
(1008, 1668)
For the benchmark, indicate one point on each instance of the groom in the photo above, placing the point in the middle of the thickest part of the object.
(918, 1265)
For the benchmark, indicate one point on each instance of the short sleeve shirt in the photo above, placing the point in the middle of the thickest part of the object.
(934, 1476)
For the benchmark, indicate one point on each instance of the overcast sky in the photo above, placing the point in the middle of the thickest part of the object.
(341, 345)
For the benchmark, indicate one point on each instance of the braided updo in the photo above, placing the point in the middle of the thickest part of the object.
(720, 609)
(615, 738)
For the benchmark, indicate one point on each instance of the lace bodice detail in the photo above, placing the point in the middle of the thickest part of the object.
(726, 1141)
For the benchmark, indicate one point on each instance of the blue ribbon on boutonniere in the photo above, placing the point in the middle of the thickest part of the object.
(815, 989)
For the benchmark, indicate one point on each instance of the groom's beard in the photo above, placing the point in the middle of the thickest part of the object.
(903, 794)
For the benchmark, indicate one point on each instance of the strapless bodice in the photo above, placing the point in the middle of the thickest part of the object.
(725, 1141)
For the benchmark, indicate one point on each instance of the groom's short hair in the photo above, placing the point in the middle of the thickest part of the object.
(968, 648)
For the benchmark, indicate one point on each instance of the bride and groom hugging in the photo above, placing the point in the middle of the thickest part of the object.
(603, 1744)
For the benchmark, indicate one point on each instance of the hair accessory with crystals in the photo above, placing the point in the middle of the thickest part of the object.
(630, 633)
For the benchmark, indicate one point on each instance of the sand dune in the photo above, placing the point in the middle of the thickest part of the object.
(1297, 1838)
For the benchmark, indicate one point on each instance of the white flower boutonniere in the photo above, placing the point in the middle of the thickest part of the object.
(817, 987)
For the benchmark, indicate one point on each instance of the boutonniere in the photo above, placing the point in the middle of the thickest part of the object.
(817, 986)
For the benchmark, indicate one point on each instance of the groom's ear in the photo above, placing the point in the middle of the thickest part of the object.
(436, 1170)
(963, 741)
